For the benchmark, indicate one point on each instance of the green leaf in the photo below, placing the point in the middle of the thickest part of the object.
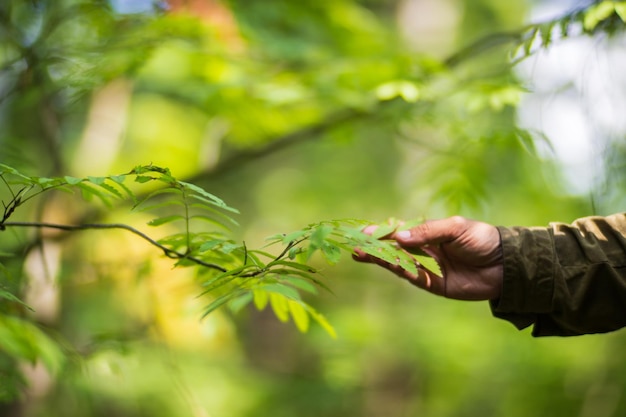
(142, 169)
(546, 33)
(210, 284)
(45, 181)
(321, 320)
(262, 253)
(160, 191)
(220, 301)
(294, 265)
(128, 192)
(300, 283)
(229, 247)
(210, 245)
(214, 284)
(212, 209)
(429, 263)
(392, 255)
(620, 9)
(25, 341)
(209, 220)
(564, 25)
(253, 259)
(319, 235)
(72, 180)
(210, 198)
(8, 296)
(384, 230)
(8, 169)
(111, 190)
(166, 219)
(299, 315)
(143, 179)
(142, 208)
(528, 43)
(597, 13)
(294, 252)
(280, 306)
(97, 180)
(290, 237)
(332, 253)
(237, 304)
(89, 192)
(261, 298)
(399, 88)
(283, 290)
(118, 178)
(527, 141)
(285, 273)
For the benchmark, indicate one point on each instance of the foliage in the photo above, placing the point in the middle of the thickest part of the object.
(604, 17)
(237, 274)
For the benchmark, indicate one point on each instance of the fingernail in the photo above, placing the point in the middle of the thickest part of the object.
(403, 234)
(370, 229)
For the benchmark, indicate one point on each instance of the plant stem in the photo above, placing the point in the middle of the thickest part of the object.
(89, 226)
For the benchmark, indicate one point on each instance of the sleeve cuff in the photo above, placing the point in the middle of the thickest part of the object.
(528, 278)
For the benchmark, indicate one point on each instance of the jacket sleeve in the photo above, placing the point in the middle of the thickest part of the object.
(565, 280)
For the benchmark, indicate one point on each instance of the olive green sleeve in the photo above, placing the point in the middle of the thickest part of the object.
(565, 280)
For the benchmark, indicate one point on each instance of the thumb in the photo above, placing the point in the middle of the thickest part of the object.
(432, 232)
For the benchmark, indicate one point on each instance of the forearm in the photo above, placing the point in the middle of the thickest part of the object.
(565, 279)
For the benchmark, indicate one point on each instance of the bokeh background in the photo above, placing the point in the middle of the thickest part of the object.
(296, 112)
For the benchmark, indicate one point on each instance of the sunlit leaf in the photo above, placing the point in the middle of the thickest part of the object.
(321, 320)
(429, 263)
(261, 298)
(597, 13)
(393, 256)
(383, 230)
(620, 9)
(401, 88)
(299, 315)
(167, 219)
(279, 306)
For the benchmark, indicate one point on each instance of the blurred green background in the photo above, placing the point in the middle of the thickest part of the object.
(296, 112)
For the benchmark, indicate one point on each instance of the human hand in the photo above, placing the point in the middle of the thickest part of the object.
(468, 252)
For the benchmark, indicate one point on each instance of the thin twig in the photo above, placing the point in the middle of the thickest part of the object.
(170, 253)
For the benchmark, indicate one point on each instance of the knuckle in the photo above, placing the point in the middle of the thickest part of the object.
(458, 220)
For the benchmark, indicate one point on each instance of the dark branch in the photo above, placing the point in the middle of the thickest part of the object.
(90, 226)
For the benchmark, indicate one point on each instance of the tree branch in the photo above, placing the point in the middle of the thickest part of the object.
(87, 226)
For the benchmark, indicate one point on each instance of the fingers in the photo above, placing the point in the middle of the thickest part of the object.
(432, 232)
(424, 279)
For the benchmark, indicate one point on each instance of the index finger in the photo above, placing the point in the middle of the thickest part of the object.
(432, 232)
